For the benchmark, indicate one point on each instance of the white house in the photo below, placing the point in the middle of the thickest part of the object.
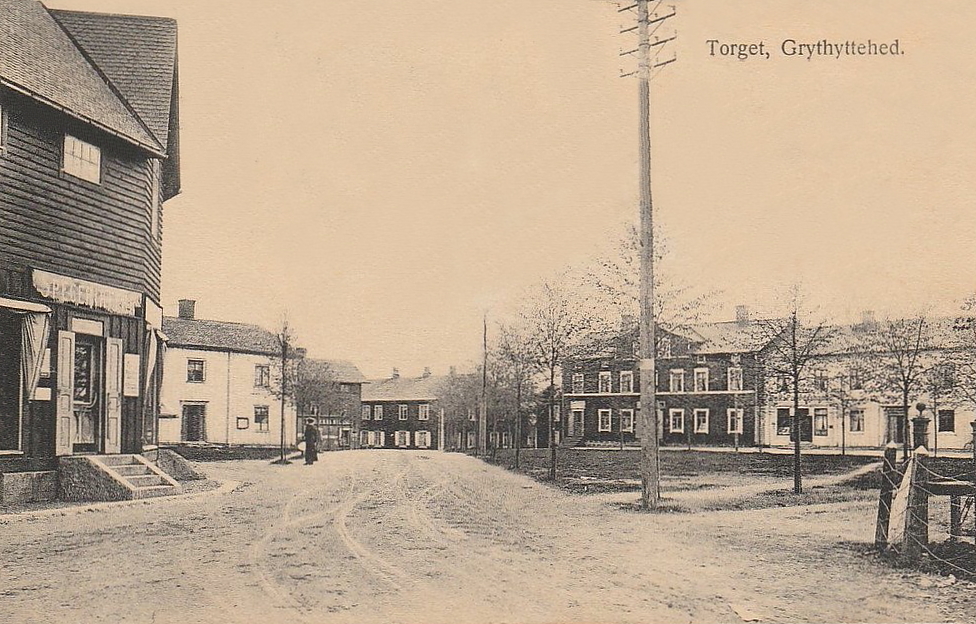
(217, 383)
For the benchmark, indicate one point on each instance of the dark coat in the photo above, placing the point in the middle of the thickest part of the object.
(311, 444)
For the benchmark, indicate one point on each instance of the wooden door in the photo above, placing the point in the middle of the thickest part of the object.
(65, 435)
(113, 395)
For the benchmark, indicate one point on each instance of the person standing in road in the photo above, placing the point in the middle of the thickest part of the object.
(311, 442)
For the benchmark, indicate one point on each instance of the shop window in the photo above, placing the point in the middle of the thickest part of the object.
(10, 350)
(784, 422)
(857, 420)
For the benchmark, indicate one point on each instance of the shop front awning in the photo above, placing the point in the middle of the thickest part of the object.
(24, 306)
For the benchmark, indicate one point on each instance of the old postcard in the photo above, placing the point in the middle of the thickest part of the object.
(516, 311)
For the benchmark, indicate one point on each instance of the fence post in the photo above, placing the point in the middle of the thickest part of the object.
(955, 517)
(889, 476)
(917, 528)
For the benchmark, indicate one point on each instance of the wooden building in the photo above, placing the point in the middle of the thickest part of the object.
(336, 404)
(401, 412)
(89, 152)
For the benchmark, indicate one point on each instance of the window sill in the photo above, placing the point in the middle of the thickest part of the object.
(6, 453)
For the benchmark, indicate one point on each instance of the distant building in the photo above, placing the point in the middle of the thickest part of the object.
(707, 386)
(339, 403)
(219, 382)
(89, 152)
(402, 413)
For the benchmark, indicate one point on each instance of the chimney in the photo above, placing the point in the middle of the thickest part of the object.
(396, 373)
(741, 314)
(426, 372)
(187, 309)
(868, 321)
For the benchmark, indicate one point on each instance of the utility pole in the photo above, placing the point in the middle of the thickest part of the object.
(483, 418)
(649, 463)
(284, 384)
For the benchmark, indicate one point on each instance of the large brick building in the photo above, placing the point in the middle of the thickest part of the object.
(402, 412)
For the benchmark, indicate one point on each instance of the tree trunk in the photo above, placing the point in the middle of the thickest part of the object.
(797, 478)
(552, 423)
(518, 421)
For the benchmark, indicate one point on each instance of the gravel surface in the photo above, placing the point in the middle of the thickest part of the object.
(398, 536)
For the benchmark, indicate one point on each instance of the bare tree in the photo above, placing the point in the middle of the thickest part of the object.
(792, 343)
(317, 389)
(517, 353)
(899, 345)
(285, 366)
(964, 357)
(615, 280)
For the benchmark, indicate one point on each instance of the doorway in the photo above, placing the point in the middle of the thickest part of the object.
(88, 392)
(194, 426)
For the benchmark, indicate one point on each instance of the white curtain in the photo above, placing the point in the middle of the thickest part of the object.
(36, 327)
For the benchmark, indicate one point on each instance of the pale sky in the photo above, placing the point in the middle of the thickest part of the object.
(385, 170)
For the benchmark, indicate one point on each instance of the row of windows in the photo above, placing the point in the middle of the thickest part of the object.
(945, 423)
(676, 381)
(421, 439)
(700, 420)
(375, 412)
(625, 420)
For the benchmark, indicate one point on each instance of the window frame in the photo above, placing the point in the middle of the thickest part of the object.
(378, 411)
(699, 429)
(581, 378)
(629, 376)
(951, 413)
(262, 379)
(421, 438)
(599, 420)
(818, 414)
(735, 372)
(401, 434)
(423, 411)
(403, 411)
(78, 162)
(676, 374)
(366, 412)
(739, 414)
(630, 427)
(203, 370)
(267, 418)
(701, 373)
(605, 376)
(680, 412)
(860, 420)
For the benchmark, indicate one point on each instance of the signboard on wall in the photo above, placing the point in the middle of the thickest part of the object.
(130, 375)
(64, 289)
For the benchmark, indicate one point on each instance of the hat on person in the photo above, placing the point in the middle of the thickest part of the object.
(309, 421)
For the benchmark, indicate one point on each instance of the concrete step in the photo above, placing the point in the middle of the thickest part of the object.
(132, 470)
(118, 460)
(154, 491)
(146, 480)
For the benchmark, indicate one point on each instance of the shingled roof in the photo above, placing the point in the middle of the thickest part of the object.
(137, 54)
(219, 336)
(426, 388)
(39, 59)
(343, 370)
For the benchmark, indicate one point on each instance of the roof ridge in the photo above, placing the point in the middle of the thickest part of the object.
(158, 18)
(108, 81)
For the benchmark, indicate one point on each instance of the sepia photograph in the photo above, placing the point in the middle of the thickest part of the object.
(507, 312)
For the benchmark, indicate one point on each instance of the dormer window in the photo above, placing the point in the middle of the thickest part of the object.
(82, 160)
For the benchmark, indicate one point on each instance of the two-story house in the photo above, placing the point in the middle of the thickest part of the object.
(401, 412)
(219, 383)
(89, 153)
(707, 386)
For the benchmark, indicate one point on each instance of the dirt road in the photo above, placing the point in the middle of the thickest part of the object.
(376, 536)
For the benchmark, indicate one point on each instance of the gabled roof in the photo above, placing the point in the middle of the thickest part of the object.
(726, 337)
(137, 54)
(344, 371)
(427, 388)
(39, 59)
(219, 336)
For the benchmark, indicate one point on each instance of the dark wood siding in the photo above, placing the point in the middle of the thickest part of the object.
(56, 222)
